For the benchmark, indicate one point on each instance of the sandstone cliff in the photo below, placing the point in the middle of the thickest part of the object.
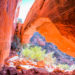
(62, 15)
(7, 26)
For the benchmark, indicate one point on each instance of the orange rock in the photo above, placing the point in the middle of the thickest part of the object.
(62, 31)
(7, 27)
(53, 35)
(40, 64)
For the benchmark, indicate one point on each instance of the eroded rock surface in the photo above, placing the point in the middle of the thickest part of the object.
(62, 28)
(7, 26)
(61, 13)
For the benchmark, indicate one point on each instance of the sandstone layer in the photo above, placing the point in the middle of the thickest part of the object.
(62, 15)
(7, 26)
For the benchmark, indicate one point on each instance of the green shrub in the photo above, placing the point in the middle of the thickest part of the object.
(34, 53)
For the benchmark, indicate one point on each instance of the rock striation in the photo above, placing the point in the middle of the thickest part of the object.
(61, 13)
(7, 26)
(61, 28)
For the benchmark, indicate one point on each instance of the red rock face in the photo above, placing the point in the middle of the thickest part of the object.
(7, 13)
(62, 15)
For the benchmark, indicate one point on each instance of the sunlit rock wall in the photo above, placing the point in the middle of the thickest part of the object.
(7, 26)
(62, 14)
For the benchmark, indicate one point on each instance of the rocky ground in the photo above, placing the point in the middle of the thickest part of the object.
(34, 71)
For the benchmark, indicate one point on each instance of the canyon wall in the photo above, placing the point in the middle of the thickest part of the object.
(7, 26)
(62, 15)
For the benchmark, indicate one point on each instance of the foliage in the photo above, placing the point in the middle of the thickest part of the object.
(34, 53)
(63, 66)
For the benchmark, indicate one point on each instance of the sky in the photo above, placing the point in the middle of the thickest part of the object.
(25, 6)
